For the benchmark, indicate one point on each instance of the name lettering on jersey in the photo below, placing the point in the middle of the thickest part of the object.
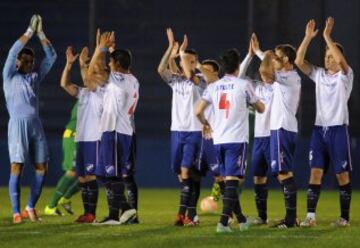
(223, 87)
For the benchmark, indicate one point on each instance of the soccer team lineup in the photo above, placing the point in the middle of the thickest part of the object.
(211, 103)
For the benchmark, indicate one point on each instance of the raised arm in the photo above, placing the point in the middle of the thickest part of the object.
(310, 33)
(163, 69)
(247, 60)
(10, 63)
(50, 54)
(256, 46)
(65, 83)
(97, 69)
(186, 60)
(172, 60)
(84, 60)
(334, 50)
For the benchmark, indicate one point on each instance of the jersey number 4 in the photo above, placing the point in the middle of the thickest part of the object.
(224, 104)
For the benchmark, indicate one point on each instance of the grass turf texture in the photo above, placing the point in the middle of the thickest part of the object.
(157, 210)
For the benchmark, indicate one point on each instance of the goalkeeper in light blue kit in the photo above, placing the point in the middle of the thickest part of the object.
(26, 138)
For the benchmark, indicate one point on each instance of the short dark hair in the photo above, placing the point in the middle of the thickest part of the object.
(27, 51)
(123, 57)
(191, 51)
(288, 50)
(339, 46)
(230, 61)
(212, 63)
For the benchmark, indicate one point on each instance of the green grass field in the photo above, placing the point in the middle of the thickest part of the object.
(157, 210)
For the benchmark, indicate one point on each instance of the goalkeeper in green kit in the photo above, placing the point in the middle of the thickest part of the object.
(68, 185)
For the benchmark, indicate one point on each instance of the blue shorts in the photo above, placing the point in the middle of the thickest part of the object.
(113, 155)
(330, 144)
(26, 140)
(260, 159)
(208, 159)
(87, 154)
(282, 149)
(232, 159)
(185, 148)
(129, 168)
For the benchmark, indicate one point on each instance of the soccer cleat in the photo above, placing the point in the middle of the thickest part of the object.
(66, 204)
(133, 221)
(52, 211)
(80, 219)
(127, 215)
(107, 221)
(230, 221)
(308, 222)
(190, 222)
(281, 224)
(179, 220)
(244, 226)
(17, 218)
(220, 228)
(30, 213)
(87, 218)
(256, 221)
(341, 222)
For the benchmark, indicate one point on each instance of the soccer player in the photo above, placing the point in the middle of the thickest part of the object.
(87, 137)
(128, 172)
(283, 125)
(207, 158)
(186, 88)
(68, 185)
(260, 161)
(330, 139)
(26, 136)
(119, 105)
(229, 98)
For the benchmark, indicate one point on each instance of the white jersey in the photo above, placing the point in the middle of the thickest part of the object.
(230, 97)
(286, 97)
(332, 95)
(264, 92)
(89, 114)
(120, 101)
(185, 96)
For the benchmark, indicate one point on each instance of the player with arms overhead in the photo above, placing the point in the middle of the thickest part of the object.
(186, 88)
(119, 105)
(330, 139)
(26, 136)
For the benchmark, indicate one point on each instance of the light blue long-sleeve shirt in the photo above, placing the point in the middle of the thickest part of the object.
(22, 90)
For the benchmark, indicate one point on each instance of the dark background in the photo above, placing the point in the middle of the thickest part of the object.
(212, 26)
